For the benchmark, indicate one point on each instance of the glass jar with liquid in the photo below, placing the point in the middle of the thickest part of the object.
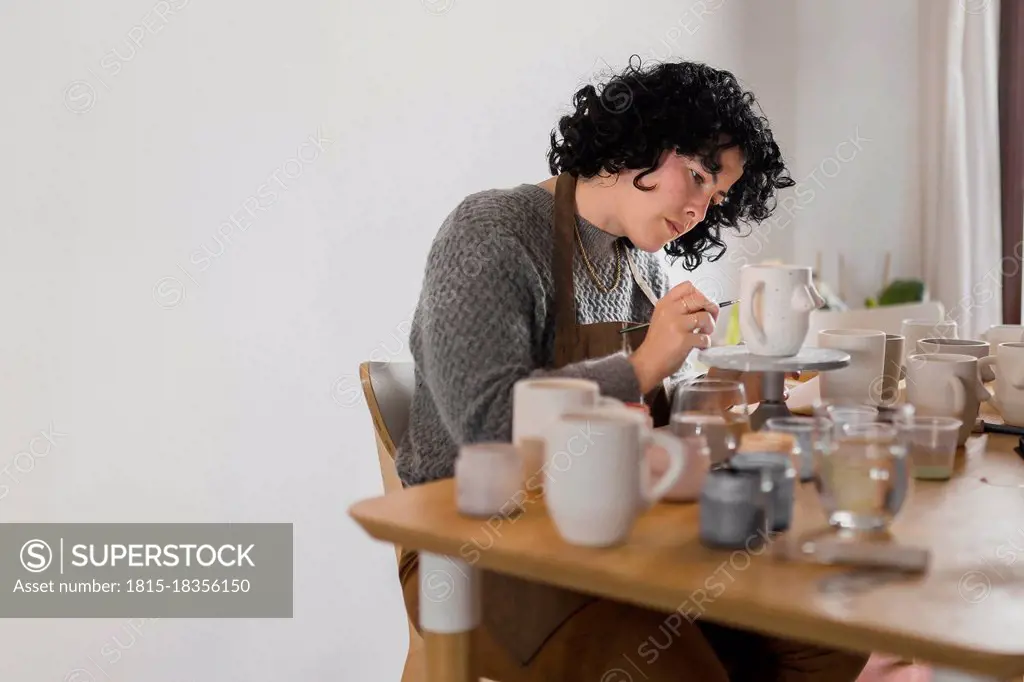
(864, 476)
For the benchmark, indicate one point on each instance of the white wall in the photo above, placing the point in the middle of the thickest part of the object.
(857, 148)
(839, 83)
(200, 388)
(193, 387)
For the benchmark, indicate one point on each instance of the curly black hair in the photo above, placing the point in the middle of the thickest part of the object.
(688, 107)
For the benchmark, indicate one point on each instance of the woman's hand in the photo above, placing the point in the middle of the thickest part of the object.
(683, 319)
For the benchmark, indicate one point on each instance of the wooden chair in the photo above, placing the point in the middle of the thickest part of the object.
(387, 387)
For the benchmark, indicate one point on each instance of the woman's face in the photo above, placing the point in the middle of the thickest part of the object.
(683, 191)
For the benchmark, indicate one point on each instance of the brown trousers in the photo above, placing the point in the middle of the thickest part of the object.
(609, 641)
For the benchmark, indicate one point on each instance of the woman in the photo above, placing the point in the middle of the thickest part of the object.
(538, 280)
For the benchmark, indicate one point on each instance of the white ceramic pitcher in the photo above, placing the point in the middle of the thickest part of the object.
(776, 302)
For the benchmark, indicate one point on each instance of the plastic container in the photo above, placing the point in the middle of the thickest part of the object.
(931, 443)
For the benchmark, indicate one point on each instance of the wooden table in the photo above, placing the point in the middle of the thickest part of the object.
(966, 613)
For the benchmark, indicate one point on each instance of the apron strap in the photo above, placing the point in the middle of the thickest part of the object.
(639, 279)
(566, 337)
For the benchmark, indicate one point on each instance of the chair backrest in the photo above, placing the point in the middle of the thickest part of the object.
(388, 388)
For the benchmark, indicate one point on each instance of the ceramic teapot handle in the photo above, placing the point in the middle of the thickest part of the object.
(749, 305)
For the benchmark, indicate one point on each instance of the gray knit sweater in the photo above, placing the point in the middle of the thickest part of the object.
(486, 318)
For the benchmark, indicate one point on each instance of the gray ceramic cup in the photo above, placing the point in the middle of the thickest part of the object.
(973, 347)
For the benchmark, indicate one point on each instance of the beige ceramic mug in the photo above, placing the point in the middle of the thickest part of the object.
(946, 385)
(978, 349)
(537, 402)
(858, 380)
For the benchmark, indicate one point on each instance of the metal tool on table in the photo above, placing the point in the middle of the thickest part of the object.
(773, 371)
(834, 550)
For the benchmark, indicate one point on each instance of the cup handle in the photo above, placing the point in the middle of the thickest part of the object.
(818, 299)
(676, 467)
(802, 301)
(749, 305)
(984, 394)
(956, 384)
(988, 363)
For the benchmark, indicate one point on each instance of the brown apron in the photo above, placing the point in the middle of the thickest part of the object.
(521, 615)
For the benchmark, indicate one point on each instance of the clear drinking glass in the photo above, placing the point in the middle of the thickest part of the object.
(841, 413)
(931, 443)
(713, 412)
(864, 476)
(812, 436)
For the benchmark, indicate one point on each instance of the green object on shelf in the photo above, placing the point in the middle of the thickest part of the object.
(899, 291)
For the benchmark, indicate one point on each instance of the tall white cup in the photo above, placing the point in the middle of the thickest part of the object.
(775, 304)
(1008, 366)
(536, 403)
(594, 479)
(915, 330)
(946, 385)
(863, 378)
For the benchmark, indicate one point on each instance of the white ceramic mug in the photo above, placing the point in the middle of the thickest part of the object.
(862, 379)
(775, 304)
(915, 330)
(594, 481)
(659, 461)
(1002, 333)
(536, 403)
(978, 349)
(1008, 363)
(946, 385)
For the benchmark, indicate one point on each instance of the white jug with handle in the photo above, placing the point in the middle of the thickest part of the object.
(776, 304)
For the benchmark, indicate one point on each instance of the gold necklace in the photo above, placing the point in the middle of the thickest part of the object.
(590, 266)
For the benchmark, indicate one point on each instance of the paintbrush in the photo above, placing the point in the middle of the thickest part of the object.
(645, 325)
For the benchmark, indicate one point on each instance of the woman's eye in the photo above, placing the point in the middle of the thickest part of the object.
(697, 177)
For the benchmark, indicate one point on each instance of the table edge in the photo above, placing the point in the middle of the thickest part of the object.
(723, 610)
